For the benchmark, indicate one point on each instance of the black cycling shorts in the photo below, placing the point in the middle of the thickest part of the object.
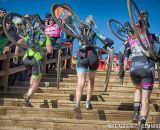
(87, 59)
(33, 65)
(143, 73)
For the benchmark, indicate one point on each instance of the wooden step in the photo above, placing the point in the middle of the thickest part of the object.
(66, 114)
(60, 124)
(71, 90)
(38, 96)
(101, 115)
(52, 103)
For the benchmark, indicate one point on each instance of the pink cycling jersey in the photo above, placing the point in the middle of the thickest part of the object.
(136, 47)
(53, 31)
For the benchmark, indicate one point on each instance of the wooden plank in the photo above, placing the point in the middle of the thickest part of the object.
(2, 73)
(44, 65)
(3, 57)
(6, 66)
(66, 57)
(17, 69)
(19, 55)
(49, 61)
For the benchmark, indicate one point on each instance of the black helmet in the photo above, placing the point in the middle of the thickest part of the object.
(48, 15)
(3, 9)
(144, 15)
(144, 12)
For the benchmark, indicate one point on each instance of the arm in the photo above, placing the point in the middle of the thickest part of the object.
(17, 48)
(127, 54)
(49, 45)
(155, 38)
(124, 54)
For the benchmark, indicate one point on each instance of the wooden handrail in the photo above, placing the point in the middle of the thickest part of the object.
(6, 70)
(109, 69)
(3, 57)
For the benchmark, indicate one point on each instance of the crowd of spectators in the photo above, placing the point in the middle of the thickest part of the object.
(51, 29)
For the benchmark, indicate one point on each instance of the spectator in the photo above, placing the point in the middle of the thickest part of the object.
(3, 38)
(74, 60)
(53, 31)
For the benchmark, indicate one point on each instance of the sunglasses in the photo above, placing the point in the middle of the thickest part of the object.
(2, 12)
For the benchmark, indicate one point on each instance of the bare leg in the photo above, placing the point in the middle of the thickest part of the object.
(137, 103)
(90, 88)
(145, 102)
(81, 77)
(138, 94)
(90, 85)
(145, 108)
(34, 86)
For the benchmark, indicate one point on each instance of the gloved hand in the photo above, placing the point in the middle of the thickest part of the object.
(5, 50)
(121, 73)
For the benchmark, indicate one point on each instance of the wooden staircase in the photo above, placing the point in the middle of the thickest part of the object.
(53, 109)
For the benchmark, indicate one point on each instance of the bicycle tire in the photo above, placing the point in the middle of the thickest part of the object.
(13, 41)
(114, 32)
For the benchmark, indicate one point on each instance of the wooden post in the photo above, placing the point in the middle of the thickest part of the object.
(44, 64)
(109, 69)
(69, 61)
(6, 68)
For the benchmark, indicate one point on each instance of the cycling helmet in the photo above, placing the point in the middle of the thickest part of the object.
(17, 20)
(90, 21)
(144, 12)
(144, 15)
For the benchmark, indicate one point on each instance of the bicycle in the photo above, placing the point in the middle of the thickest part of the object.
(72, 25)
(122, 32)
(136, 19)
(20, 27)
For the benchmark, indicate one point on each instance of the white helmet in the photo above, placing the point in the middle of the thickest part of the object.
(17, 20)
(90, 21)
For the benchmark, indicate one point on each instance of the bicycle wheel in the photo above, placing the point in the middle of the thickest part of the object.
(16, 27)
(67, 20)
(59, 67)
(118, 29)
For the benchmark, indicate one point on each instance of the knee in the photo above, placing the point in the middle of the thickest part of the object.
(35, 84)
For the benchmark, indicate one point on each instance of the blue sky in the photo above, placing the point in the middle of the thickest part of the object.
(102, 10)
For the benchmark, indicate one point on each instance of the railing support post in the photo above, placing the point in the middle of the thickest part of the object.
(109, 69)
(6, 68)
